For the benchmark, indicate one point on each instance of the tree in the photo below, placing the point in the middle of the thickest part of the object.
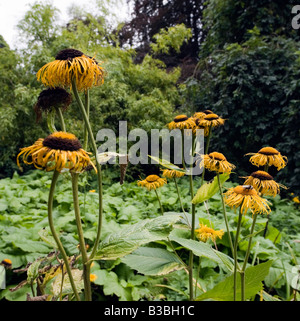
(248, 73)
(149, 17)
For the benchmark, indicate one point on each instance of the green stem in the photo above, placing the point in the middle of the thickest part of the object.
(249, 243)
(87, 109)
(55, 236)
(177, 189)
(86, 277)
(161, 208)
(235, 254)
(61, 119)
(98, 166)
(225, 215)
(206, 151)
(246, 258)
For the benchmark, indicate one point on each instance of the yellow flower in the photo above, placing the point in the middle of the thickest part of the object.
(93, 277)
(205, 233)
(263, 182)
(182, 122)
(296, 200)
(211, 120)
(92, 191)
(170, 173)
(71, 64)
(202, 114)
(152, 182)
(198, 126)
(6, 263)
(217, 162)
(268, 156)
(57, 151)
(246, 197)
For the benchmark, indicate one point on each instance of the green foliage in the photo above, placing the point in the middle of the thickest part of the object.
(253, 284)
(254, 86)
(24, 237)
(171, 38)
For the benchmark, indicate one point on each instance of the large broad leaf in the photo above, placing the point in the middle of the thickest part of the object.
(205, 250)
(66, 287)
(223, 291)
(167, 164)
(153, 261)
(117, 245)
(209, 189)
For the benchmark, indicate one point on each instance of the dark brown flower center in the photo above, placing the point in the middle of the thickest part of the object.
(68, 54)
(180, 118)
(268, 151)
(263, 176)
(211, 117)
(59, 143)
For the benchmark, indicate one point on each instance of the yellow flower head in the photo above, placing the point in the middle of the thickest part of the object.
(205, 233)
(71, 64)
(93, 277)
(217, 162)
(182, 122)
(202, 114)
(264, 183)
(170, 173)
(57, 151)
(296, 199)
(7, 263)
(211, 120)
(152, 182)
(268, 156)
(246, 197)
(198, 126)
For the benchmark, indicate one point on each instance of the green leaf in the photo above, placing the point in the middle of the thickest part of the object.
(209, 189)
(111, 285)
(33, 270)
(153, 261)
(130, 238)
(204, 250)
(223, 291)
(67, 287)
(167, 164)
(47, 238)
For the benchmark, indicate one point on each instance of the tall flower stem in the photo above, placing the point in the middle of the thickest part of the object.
(55, 236)
(266, 168)
(206, 150)
(161, 208)
(225, 215)
(87, 110)
(98, 166)
(180, 201)
(61, 119)
(247, 257)
(86, 267)
(235, 253)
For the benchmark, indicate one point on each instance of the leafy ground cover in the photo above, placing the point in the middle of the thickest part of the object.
(150, 271)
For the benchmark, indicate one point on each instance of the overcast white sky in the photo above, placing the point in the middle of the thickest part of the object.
(12, 11)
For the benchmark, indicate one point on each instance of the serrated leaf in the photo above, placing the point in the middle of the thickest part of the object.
(209, 189)
(204, 250)
(117, 245)
(223, 291)
(153, 261)
(67, 288)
